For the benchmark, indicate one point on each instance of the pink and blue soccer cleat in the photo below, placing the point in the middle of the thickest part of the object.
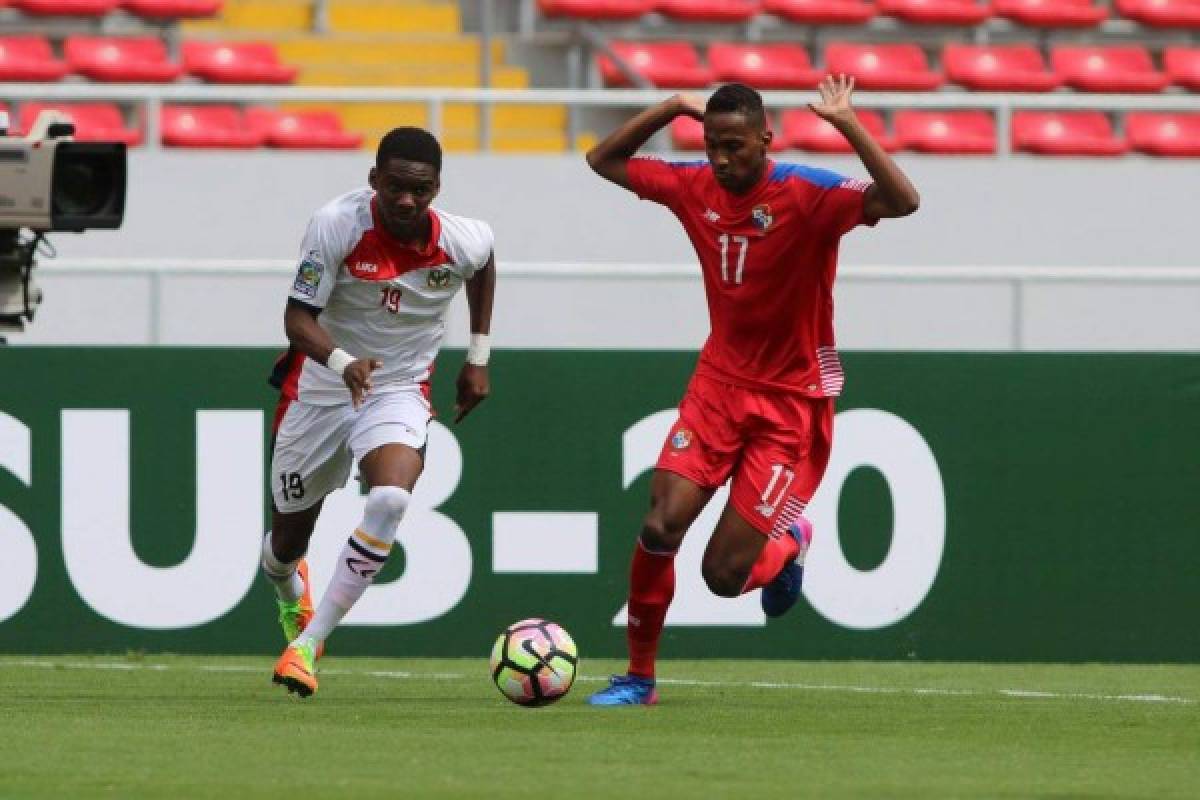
(781, 594)
(626, 690)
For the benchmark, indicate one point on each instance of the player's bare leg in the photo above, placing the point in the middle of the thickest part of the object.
(741, 558)
(390, 471)
(284, 565)
(675, 502)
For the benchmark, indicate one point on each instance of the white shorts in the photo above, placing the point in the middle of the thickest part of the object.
(316, 446)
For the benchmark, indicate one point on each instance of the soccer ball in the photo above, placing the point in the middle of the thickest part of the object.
(534, 662)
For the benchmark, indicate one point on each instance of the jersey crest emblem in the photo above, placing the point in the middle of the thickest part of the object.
(761, 217)
(681, 439)
(438, 279)
(308, 274)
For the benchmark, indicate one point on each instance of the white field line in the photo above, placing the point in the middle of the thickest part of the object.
(1025, 694)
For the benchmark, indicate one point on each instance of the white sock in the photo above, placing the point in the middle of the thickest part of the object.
(361, 559)
(288, 585)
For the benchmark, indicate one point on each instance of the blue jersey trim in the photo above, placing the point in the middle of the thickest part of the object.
(687, 163)
(825, 178)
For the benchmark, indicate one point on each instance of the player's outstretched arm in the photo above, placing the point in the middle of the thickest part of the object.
(473, 384)
(893, 194)
(306, 335)
(610, 156)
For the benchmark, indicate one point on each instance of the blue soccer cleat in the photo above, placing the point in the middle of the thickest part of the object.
(626, 690)
(781, 594)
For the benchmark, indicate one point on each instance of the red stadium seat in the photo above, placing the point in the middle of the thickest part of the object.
(302, 130)
(1009, 68)
(172, 9)
(1183, 66)
(763, 66)
(1052, 13)
(94, 122)
(665, 64)
(821, 12)
(1065, 133)
(949, 132)
(1108, 69)
(1162, 13)
(236, 62)
(596, 9)
(137, 60)
(29, 58)
(1160, 134)
(936, 12)
(207, 126)
(708, 10)
(65, 8)
(883, 66)
(804, 130)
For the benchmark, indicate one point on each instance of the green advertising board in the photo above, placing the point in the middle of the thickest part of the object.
(977, 507)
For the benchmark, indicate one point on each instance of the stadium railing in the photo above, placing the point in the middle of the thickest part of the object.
(1016, 284)
(151, 98)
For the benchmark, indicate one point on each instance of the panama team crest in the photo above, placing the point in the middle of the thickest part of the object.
(438, 278)
(761, 217)
(681, 439)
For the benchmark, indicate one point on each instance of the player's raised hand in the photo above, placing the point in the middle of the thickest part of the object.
(689, 105)
(358, 378)
(473, 387)
(835, 98)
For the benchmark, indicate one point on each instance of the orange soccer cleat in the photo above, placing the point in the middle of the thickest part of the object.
(297, 669)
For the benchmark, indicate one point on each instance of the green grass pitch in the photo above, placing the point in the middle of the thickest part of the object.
(215, 727)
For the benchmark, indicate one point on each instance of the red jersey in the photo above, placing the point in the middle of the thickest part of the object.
(768, 257)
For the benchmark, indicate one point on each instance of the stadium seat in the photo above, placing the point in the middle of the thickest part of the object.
(236, 62)
(1052, 13)
(1065, 133)
(1162, 13)
(171, 9)
(596, 9)
(821, 12)
(804, 130)
(208, 126)
(29, 58)
(883, 66)
(1009, 68)
(1108, 69)
(65, 8)
(708, 10)
(1162, 134)
(763, 66)
(302, 130)
(936, 12)
(665, 64)
(94, 122)
(949, 132)
(136, 60)
(1183, 66)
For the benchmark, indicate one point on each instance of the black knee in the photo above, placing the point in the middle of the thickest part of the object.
(661, 534)
(723, 580)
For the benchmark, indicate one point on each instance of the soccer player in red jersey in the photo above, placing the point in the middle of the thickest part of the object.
(759, 408)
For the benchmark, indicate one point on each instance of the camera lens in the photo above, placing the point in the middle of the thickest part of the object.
(83, 185)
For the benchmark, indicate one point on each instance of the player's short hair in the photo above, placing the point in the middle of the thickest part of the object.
(410, 144)
(738, 98)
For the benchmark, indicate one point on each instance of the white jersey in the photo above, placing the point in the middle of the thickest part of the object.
(379, 298)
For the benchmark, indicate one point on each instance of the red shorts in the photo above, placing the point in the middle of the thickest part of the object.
(775, 444)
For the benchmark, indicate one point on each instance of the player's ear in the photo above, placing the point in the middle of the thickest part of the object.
(767, 136)
(437, 188)
(371, 179)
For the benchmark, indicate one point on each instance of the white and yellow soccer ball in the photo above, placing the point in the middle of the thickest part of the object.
(534, 662)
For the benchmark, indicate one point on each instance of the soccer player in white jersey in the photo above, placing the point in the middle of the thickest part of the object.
(365, 318)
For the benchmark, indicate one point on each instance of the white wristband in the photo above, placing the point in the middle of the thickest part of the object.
(479, 350)
(338, 360)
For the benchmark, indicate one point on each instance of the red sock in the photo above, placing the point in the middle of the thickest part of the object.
(651, 587)
(774, 555)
